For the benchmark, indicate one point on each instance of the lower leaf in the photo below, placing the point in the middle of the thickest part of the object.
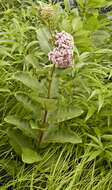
(23, 146)
(30, 156)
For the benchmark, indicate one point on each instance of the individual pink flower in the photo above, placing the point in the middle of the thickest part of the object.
(62, 54)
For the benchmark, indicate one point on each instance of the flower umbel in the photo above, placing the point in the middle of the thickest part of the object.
(62, 54)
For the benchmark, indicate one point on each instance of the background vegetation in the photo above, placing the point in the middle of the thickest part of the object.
(86, 88)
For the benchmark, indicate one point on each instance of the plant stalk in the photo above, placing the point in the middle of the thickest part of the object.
(50, 31)
(46, 112)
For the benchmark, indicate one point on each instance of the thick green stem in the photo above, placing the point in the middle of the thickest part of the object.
(46, 112)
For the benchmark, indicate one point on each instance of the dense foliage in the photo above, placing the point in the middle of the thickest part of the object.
(55, 130)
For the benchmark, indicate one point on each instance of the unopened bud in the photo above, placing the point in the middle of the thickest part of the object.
(47, 13)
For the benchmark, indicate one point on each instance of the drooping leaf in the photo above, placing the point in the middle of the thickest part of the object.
(62, 136)
(22, 124)
(28, 80)
(28, 102)
(64, 115)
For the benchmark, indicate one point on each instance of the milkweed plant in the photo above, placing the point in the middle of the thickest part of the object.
(54, 89)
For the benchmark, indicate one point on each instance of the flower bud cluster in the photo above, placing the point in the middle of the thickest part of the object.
(62, 54)
(47, 12)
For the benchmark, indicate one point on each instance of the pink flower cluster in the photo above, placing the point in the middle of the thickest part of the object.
(62, 54)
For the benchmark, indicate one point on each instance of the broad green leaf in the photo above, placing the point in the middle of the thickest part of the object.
(62, 136)
(64, 115)
(43, 37)
(30, 156)
(18, 140)
(15, 141)
(28, 102)
(22, 124)
(28, 80)
(23, 146)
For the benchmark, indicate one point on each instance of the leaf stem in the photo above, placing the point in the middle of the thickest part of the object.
(46, 112)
